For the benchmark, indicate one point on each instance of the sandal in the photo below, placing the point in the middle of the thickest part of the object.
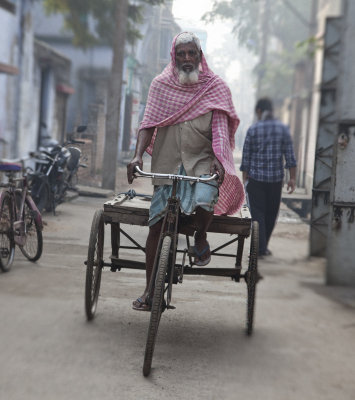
(198, 254)
(140, 305)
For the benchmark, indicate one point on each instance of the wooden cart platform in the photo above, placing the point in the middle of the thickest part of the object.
(135, 211)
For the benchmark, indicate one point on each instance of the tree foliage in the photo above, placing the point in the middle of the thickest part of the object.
(287, 26)
(284, 25)
(243, 14)
(278, 73)
(93, 21)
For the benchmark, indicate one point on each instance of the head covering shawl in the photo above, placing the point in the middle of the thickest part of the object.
(170, 103)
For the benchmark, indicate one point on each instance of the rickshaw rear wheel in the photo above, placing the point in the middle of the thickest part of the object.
(252, 276)
(94, 264)
(157, 304)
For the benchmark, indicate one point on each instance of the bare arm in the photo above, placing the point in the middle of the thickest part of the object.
(291, 184)
(245, 176)
(217, 167)
(143, 141)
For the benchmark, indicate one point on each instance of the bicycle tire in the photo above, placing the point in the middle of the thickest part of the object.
(40, 194)
(33, 247)
(252, 276)
(94, 264)
(7, 243)
(157, 304)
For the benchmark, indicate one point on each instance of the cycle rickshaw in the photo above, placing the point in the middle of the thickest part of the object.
(127, 208)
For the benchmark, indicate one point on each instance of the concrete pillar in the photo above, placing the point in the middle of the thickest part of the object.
(324, 149)
(341, 234)
(100, 137)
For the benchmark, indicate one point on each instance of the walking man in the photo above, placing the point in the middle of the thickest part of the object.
(267, 144)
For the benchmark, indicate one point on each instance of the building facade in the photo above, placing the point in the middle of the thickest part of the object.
(34, 83)
(91, 68)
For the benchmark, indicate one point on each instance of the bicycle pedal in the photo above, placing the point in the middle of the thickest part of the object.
(18, 225)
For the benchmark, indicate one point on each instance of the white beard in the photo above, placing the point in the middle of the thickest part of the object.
(188, 78)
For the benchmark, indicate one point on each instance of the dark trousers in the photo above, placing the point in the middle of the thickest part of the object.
(264, 201)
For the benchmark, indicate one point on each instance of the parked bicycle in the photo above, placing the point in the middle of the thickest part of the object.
(55, 174)
(20, 219)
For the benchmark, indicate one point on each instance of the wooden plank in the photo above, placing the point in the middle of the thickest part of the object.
(126, 217)
(136, 212)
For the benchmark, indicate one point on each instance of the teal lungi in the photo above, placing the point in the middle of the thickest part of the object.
(193, 195)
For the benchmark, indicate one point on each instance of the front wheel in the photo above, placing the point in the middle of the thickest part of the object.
(32, 249)
(94, 264)
(7, 243)
(252, 276)
(157, 304)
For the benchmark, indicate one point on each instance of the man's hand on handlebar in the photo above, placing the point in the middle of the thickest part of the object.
(130, 168)
(217, 167)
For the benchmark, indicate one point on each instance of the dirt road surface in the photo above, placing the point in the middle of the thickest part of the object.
(303, 345)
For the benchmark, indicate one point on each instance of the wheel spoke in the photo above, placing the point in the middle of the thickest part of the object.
(32, 249)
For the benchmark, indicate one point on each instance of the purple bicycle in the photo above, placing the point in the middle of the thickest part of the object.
(20, 220)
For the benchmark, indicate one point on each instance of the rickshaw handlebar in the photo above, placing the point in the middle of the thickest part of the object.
(173, 176)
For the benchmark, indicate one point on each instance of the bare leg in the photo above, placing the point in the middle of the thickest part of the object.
(203, 220)
(150, 250)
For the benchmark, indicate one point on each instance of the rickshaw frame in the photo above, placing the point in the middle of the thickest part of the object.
(166, 271)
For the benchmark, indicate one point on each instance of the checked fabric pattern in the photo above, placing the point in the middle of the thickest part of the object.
(267, 144)
(170, 103)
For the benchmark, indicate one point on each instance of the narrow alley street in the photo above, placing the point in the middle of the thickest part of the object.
(302, 347)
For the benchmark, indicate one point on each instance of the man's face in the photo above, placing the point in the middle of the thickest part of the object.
(187, 57)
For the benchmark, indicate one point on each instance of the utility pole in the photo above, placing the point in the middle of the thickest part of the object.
(23, 8)
(114, 98)
(310, 82)
(263, 39)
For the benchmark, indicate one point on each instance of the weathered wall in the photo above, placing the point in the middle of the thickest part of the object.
(8, 56)
(341, 237)
(326, 8)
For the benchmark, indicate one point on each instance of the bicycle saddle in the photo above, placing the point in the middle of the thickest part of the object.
(8, 167)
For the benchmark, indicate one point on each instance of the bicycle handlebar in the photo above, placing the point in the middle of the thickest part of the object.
(41, 155)
(174, 176)
(74, 141)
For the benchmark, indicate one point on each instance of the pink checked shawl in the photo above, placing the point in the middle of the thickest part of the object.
(170, 103)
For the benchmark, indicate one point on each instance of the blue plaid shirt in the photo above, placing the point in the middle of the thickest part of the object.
(267, 144)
